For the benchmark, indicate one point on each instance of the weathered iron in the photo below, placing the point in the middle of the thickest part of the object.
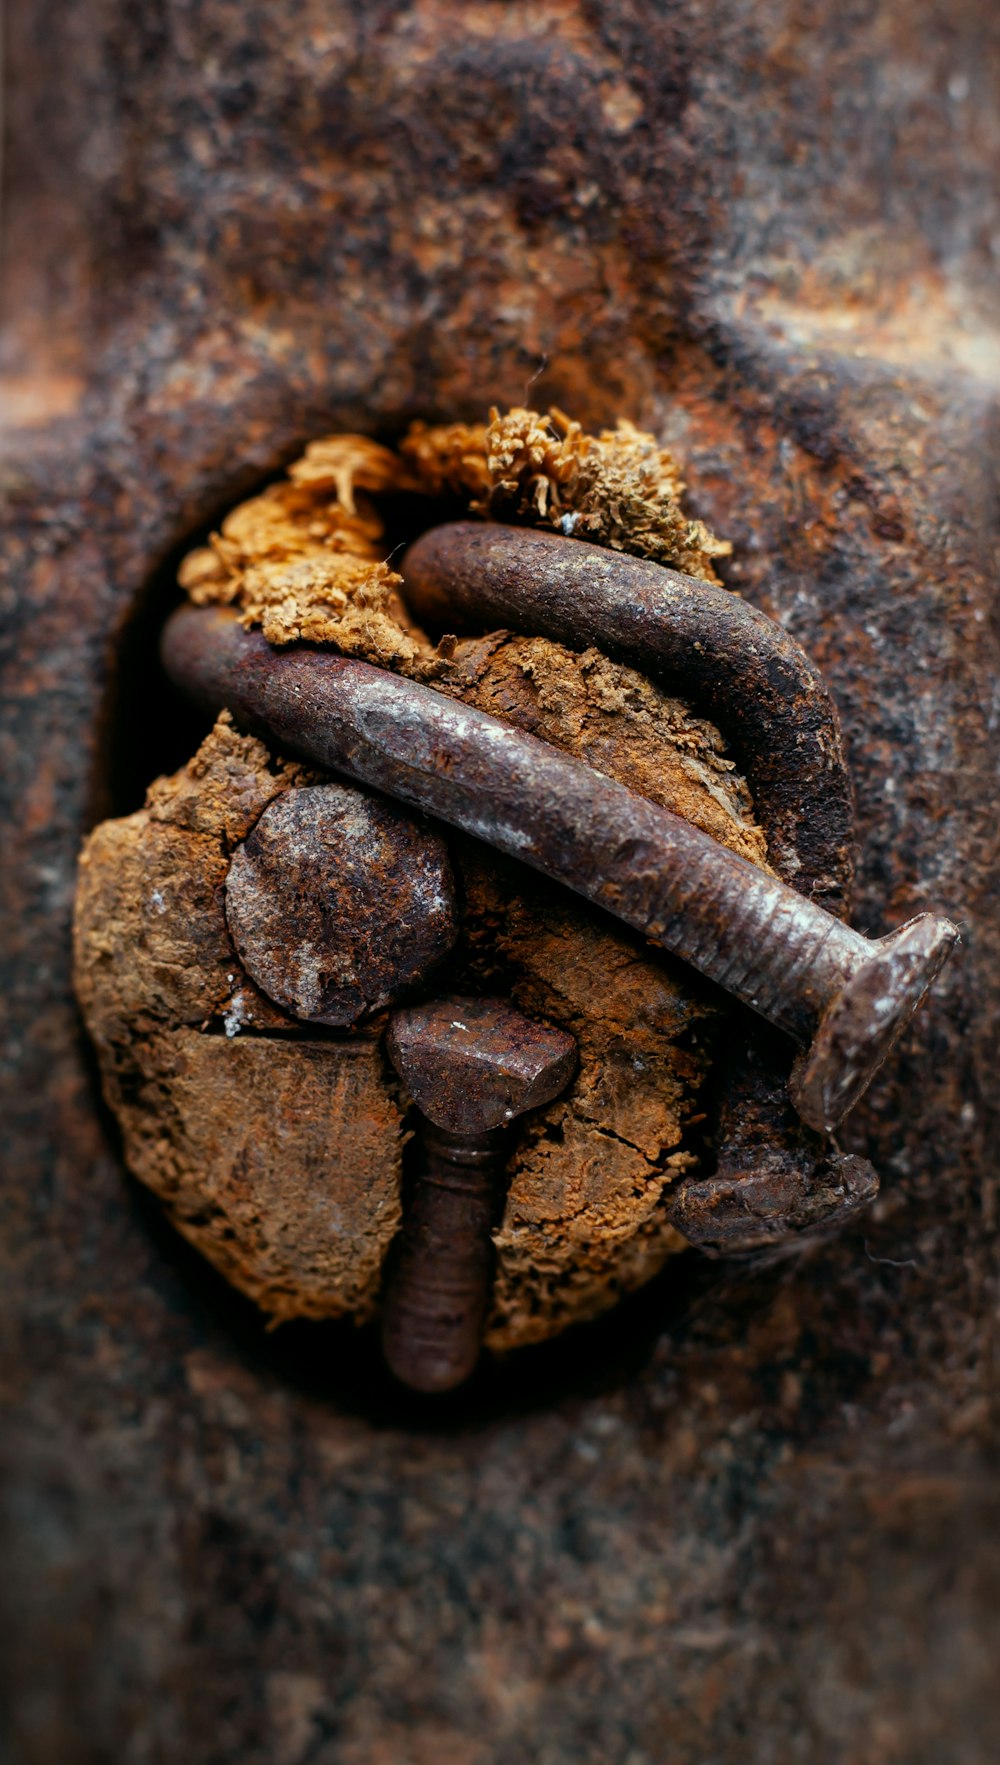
(338, 902)
(844, 997)
(472, 1067)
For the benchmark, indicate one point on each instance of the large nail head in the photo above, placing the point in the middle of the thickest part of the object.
(338, 902)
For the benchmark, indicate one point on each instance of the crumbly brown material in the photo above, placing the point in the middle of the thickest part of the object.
(302, 560)
(620, 489)
(615, 719)
(449, 458)
(223, 1115)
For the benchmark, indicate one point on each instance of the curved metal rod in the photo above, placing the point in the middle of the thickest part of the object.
(739, 667)
(773, 1175)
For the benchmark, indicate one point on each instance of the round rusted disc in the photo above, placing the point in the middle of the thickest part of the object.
(337, 903)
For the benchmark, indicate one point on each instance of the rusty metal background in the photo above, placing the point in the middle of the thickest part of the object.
(754, 1517)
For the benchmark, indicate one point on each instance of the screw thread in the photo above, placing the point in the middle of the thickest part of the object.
(439, 1287)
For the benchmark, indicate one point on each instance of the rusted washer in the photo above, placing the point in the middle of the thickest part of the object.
(734, 663)
(337, 902)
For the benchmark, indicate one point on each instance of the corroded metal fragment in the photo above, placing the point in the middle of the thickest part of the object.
(472, 1066)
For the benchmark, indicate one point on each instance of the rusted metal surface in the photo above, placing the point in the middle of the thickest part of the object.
(472, 1067)
(475, 1065)
(752, 1524)
(337, 903)
(440, 1273)
(844, 997)
(777, 712)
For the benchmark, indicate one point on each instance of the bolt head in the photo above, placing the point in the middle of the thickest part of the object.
(858, 1030)
(472, 1065)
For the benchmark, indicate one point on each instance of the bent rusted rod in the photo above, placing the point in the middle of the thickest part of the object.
(733, 662)
(823, 984)
(772, 1174)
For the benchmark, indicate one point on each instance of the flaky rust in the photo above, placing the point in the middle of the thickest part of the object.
(620, 488)
(301, 560)
(221, 1114)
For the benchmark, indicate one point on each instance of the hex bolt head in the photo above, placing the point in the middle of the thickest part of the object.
(338, 902)
(472, 1066)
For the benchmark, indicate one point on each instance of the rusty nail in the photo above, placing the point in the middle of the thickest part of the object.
(472, 1066)
(844, 997)
(338, 902)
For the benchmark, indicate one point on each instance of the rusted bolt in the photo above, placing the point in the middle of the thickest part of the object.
(472, 1066)
(844, 997)
(338, 901)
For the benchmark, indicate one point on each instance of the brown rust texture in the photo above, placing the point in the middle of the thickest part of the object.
(293, 1193)
(753, 1524)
